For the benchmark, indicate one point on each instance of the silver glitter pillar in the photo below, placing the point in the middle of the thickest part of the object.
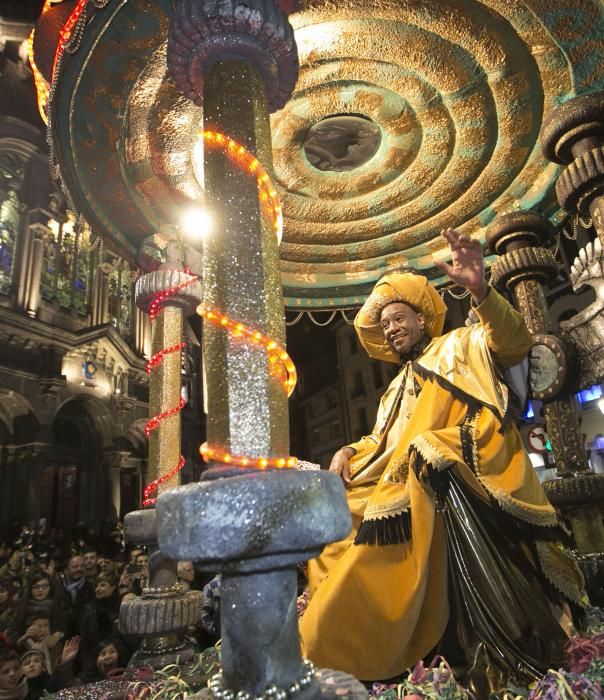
(247, 405)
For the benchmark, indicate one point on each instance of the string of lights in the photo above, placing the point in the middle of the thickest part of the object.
(66, 35)
(155, 308)
(237, 154)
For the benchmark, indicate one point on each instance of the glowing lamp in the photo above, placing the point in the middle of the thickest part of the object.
(196, 223)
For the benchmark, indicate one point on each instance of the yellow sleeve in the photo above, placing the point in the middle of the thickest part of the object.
(365, 443)
(508, 337)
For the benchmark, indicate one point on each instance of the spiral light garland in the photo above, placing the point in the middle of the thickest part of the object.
(271, 209)
(237, 154)
(154, 363)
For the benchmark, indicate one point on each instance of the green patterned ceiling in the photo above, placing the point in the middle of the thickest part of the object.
(458, 90)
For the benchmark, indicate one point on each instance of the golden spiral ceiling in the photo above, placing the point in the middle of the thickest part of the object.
(458, 89)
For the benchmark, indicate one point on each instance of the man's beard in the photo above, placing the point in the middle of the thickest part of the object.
(416, 350)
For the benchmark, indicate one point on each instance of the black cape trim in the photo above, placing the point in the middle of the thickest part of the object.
(471, 402)
(394, 529)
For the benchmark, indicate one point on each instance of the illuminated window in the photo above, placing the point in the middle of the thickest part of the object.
(82, 272)
(66, 266)
(120, 297)
(11, 173)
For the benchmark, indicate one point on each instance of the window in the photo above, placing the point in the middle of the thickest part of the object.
(352, 344)
(11, 175)
(331, 400)
(363, 426)
(334, 429)
(120, 296)
(358, 387)
(66, 268)
(377, 374)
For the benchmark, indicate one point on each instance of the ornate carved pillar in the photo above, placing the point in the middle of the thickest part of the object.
(31, 259)
(573, 135)
(524, 267)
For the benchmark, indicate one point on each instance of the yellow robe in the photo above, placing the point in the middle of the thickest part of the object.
(376, 608)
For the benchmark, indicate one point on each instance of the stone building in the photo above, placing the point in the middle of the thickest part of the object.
(73, 381)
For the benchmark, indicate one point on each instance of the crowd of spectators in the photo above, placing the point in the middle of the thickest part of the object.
(60, 597)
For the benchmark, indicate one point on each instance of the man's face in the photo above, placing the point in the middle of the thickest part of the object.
(186, 570)
(141, 561)
(133, 554)
(402, 326)
(75, 568)
(90, 560)
(10, 674)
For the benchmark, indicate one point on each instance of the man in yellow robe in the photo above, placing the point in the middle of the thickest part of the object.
(450, 523)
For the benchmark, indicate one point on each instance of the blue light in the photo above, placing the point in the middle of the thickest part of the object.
(591, 394)
(528, 411)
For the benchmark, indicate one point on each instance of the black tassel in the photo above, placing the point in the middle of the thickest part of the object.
(394, 529)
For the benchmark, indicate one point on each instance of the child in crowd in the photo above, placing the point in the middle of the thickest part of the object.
(13, 684)
(39, 681)
(110, 654)
(38, 636)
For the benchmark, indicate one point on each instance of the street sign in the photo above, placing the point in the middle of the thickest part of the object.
(537, 439)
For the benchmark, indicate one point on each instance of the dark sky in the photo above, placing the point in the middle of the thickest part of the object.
(21, 9)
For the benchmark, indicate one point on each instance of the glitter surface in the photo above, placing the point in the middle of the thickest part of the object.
(247, 408)
(164, 394)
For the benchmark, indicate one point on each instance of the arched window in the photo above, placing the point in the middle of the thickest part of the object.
(120, 297)
(11, 175)
(67, 264)
(83, 271)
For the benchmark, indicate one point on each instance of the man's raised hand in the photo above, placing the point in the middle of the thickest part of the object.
(467, 263)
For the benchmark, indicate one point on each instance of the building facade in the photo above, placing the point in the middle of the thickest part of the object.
(73, 381)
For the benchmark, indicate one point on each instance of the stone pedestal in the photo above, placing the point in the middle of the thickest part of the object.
(165, 610)
(254, 528)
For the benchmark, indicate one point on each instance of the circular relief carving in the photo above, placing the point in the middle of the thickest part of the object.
(547, 367)
(342, 142)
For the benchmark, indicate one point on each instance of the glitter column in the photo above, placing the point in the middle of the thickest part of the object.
(247, 406)
(252, 526)
(164, 396)
(164, 611)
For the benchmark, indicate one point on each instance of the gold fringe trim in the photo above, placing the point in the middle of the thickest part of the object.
(375, 511)
(430, 454)
(561, 570)
(513, 507)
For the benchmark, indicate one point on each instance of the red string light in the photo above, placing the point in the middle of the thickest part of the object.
(42, 87)
(154, 485)
(157, 359)
(155, 308)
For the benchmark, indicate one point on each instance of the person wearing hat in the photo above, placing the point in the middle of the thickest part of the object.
(454, 548)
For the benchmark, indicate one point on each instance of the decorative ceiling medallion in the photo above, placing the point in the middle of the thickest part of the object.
(341, 143)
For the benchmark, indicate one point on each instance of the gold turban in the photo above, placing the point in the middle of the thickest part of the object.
(408, 288)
